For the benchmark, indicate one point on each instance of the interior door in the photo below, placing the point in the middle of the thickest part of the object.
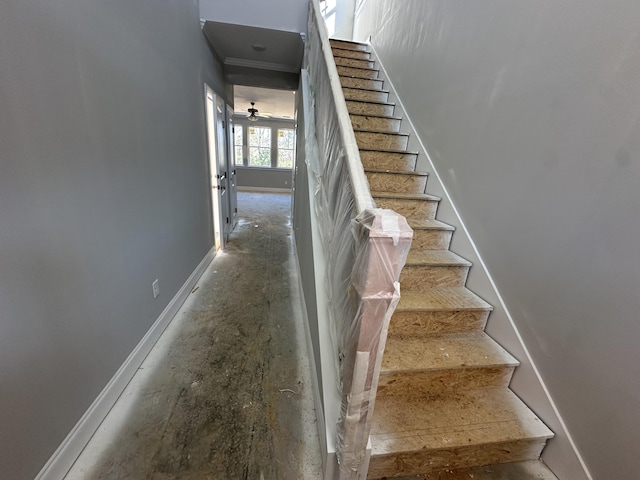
(223, 168)
(214, 174)
(231, 167)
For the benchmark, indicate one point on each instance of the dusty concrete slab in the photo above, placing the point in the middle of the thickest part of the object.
(226, 393)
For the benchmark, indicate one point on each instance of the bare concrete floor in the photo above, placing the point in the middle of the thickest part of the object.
(226, 392)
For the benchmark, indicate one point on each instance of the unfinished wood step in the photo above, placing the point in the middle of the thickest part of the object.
(381, 140)
(365, 94)
(347, 45)
(439, 310)
(400, 161)
(430, 234)
(528, 470)
(359, 54)
(416, 205)
(368, 73)
(417, 434)
(433, 268)
(393, 181)
(354, 62)
(432, 365)
(353, 82)
(370, 108)
(377, 123)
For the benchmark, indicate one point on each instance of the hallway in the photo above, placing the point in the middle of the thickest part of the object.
(226, 392)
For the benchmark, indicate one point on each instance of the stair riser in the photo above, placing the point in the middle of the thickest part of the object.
(362, 108)
(353, 62)
(441, 381)
(427, 460)
(419, 278)
(348, 45)
(365, 95)
(431, 239)
(437, 322)
(382, 141)
(357, 72)
(364, 122)
(419, 209)
(341, 52)
(388, 161)
(396, 182)
(352, 82)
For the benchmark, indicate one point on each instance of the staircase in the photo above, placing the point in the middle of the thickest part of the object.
(443, 407)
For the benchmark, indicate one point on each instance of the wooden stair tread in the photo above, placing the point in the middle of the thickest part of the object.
(398, 172)
(346, 53)
(387, 150)
(528, 470)
(441, 258)
(441, 299)
(415, 423)
(384, 132)
(386, 117)
(349, 45)
(372, 102)
(443, 352)
(376, 90)
(420, 224)
(407, 196)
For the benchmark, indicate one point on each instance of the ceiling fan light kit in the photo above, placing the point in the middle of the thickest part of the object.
(252, 111)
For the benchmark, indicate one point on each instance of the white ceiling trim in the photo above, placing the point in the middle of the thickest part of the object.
(243, 62)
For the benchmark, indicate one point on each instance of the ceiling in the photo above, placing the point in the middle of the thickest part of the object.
(276, 103)
(262, 64)
(256, 56)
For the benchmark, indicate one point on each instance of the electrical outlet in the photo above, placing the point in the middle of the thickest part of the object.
(156, 288)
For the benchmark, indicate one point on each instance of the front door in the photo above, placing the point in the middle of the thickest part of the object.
(217, 187)
(233, 186)
(223, 168)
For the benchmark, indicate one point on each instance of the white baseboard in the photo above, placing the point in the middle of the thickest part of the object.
(69, 450)
(264, 189)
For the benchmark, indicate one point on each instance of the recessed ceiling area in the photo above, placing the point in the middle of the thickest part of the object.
(269, 102)
(255, 56)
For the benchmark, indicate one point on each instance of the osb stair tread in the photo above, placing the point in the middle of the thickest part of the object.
(384, 132)
(419, 224)
(346, 53)
(376, 90)
(397, 172)
(387, 150)
(357, 116)
(407, 196)
(451, 420)
(441, 258)
(443, 352)
(370, 102)
(528, 470)
(349, 45)
(358, 72)
(441, 299)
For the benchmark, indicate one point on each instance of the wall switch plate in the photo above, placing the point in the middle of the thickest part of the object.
(156, 288)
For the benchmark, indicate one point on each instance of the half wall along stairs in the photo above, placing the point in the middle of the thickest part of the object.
(443, 406)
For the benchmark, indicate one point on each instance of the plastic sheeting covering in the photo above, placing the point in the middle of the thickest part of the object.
(365, 250)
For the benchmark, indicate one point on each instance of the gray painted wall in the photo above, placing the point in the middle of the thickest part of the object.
(531, 113)
(103, 188)
(264, 178)
(258, 13)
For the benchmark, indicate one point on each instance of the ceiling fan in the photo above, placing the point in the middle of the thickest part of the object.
(254, 115)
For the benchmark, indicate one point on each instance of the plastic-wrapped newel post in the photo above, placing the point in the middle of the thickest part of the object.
(383, 242)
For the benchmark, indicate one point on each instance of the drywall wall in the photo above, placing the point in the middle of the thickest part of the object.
(258, 13)
(531, 114)
(264, 178)
(103, 188)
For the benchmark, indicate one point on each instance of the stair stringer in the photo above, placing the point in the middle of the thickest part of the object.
(561, 453)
